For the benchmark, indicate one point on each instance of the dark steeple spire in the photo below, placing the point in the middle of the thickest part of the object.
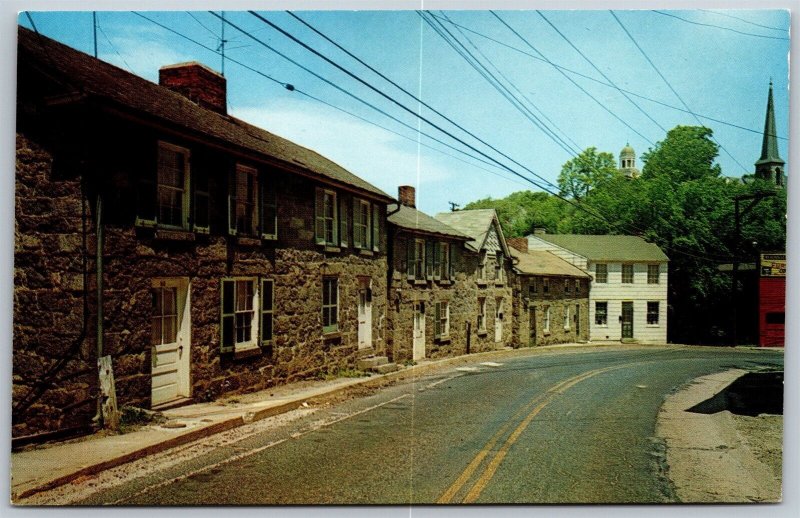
(770, 165)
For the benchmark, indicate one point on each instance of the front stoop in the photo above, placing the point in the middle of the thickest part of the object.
(379, 364)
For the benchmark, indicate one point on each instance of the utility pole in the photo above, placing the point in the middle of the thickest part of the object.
(737, 222)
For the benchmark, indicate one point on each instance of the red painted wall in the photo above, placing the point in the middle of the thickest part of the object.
(771, 311)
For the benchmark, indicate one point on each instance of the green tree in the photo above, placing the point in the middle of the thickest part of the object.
(687, 153)
(587, 171)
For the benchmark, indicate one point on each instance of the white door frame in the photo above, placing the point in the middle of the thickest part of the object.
(178, 354)
(419, 330)
(364, 313)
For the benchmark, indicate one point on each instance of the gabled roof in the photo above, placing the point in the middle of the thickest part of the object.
(475, 223)
(104, 83)
(542, 262)
(409, 218)
(607, 247)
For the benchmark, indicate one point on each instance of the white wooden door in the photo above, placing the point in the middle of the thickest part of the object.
(498, 321)
(364, 314)
(170, 340)
(419, 330)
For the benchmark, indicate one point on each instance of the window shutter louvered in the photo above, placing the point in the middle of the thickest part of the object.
(319, 216)
(411, 255)
(267, 302)
(429, 259)
(232, 203)
(437, 323)
(344, 238)
(269, 209)
(358, 232)
(437, 260)
(376, 228)
(335, 211)
(227, 316)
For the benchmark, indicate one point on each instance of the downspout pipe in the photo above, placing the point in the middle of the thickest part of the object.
(99, 297)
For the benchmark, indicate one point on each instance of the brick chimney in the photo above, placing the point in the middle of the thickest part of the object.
(198, 83)
(519, 243)
(407, 196)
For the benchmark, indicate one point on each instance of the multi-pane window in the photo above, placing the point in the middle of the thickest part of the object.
(441, 320)
(269, 209)
(376, 228)
(344, 229)
(601, 313)
(601, 272)
(532, 288)
(547, 319)
(326, 228)
(652, 273)
(566, 286)
(419, 258)
(545, 285)
(330, 304)
(165, 315)
(627, 273)
(267, 310)
(173, 185)
(242, 202)
(566, 317)
(482, 266)
(652, 313)
(239, 310)
(362, 230)
(443, 265)
(577, 285)
(482, 314)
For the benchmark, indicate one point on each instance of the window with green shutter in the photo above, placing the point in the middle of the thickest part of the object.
(344, 230)
(326, 228)
(437, 260)
(376, 228)
(330, 304)
(269, 208)
(239, 306)
(429, 255)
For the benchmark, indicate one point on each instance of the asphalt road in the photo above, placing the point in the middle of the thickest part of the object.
(563, 427)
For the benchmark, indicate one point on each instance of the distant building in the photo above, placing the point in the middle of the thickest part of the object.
(770, 166)
(627, 162)
(628, 294)
(551, 298)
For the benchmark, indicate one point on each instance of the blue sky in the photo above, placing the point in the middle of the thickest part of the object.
(718, 73)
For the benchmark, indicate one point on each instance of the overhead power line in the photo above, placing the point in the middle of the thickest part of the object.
(721, 27)
(590, 78)
(672, 89)
(662, 128)
(582, 89)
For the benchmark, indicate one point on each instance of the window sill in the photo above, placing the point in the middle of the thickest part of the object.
(445, 282)
(246, 351)
(365, 252)
(481, 283)
(443, 340)
(653, 325)
(483, 332)
(332, 335)
(546, 333)
(331, 249)
(420, 282)
(604, 326)
(173, 235)
(501, 283)
(247, 241)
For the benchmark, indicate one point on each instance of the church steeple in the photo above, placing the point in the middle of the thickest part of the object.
(770, 165)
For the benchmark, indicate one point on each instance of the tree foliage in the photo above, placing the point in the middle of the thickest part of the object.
(681, 202)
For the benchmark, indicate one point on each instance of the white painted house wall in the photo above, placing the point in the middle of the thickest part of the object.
(614, 292)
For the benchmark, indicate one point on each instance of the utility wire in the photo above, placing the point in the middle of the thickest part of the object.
(504, 166)
(744, 20)
(513, 99)
(201, 24)
(103, 32)
(672, 89)
(721, 27)
(590, 78)
(600, 71)
(582, 89)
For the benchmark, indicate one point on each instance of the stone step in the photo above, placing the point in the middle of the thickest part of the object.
(371, 362)
(385, 368)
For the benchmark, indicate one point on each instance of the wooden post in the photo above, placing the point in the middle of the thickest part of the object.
(108, 394)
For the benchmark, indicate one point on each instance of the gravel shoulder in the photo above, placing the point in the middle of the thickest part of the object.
(720, 457)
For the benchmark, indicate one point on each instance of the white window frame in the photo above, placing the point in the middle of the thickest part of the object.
(606, 313)
(481, 314)
(442, 320)
(264, 312)
(162, 286)
(626, 266)
(419, 259)
(185, 191)
(334, 327)
(255, 320)
(251, 198)
(657, 323)
(601, 277)
(653, 279)
(546, 327)
(566, 317)
(329, 199)
(566, 286)
(362, 224)
(545, 285)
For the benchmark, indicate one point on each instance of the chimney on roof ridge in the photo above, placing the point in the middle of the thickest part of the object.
(407, 196)
(519, 243)
(198, 83)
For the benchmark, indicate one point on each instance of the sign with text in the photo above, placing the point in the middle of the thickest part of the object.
(773, 265)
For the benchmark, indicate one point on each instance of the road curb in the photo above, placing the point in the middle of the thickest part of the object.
(229, 424)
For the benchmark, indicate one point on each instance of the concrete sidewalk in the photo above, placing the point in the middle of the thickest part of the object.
(52, 465)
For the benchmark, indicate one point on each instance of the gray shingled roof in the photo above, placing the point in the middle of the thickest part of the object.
(412, 219)
(105, 82)
(475, 223)
(542, 262)
(607, 247)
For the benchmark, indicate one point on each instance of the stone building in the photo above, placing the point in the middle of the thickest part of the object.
(428, 276)
(204, 255)
(487, 281)
(551, 298)
(628, 292)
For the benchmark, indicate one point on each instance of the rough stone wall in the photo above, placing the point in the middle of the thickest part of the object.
(558, 300)
(463, 294)
(53, 378)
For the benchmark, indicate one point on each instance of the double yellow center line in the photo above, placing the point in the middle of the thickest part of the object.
(538, 403)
